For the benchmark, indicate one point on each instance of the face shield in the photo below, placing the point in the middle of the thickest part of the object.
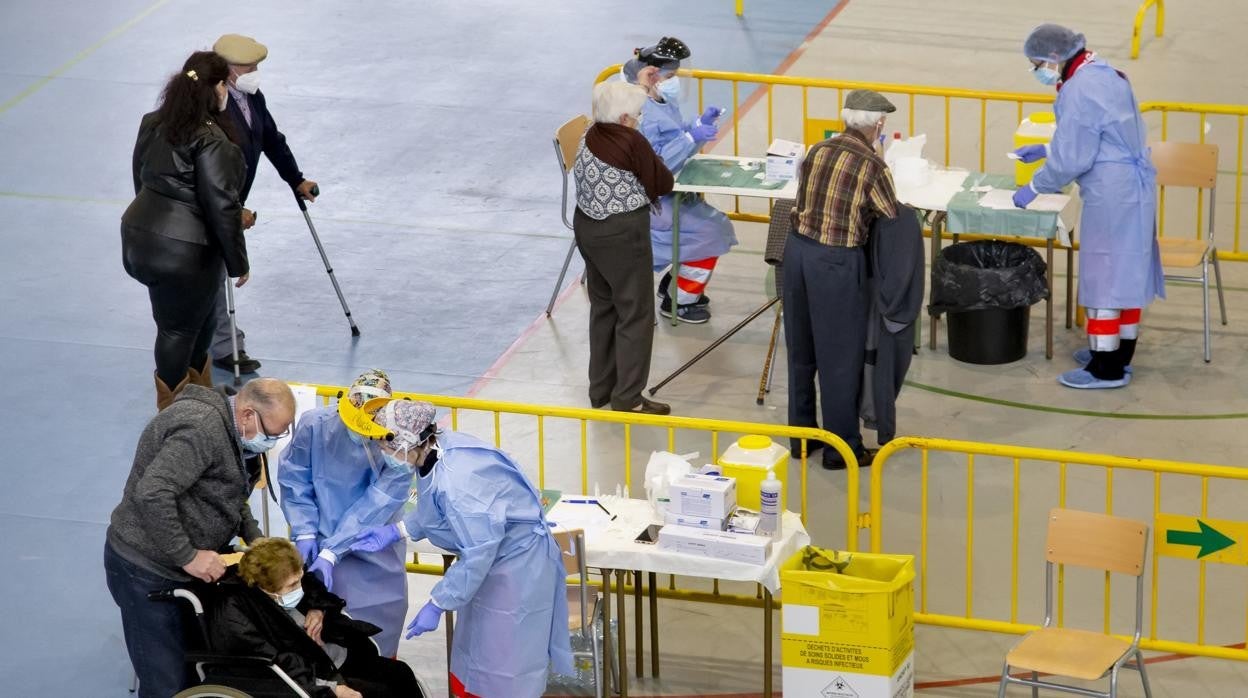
(655, 67)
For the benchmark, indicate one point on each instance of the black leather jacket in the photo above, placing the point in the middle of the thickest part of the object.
(190, 192)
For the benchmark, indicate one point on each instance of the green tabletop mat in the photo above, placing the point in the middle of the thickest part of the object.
(713, 172)
(966, 215)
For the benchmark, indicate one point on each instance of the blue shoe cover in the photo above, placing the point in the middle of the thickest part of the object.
(1082, 380)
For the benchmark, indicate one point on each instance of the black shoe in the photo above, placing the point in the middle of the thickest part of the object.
(665, 282)
(832, 459)
(690, 313)
(599, 405)
(246, 364)
(647, 407)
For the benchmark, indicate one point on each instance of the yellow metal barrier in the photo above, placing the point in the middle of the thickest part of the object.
(793, 102)
(1005, 480)
(1139, 24)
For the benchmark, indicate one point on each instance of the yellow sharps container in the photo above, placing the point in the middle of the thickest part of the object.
(1036, 129)
(748, 460)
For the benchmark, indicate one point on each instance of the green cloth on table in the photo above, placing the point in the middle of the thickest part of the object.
(967, 216)
(713, 172)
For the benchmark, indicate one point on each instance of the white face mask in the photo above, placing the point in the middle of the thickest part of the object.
(248, 82)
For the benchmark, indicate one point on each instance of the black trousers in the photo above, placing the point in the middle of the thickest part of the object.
(379, 677)
(619, 278)
(825, 330)
(181, 279)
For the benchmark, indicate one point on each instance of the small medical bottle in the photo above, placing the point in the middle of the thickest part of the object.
(769, 508)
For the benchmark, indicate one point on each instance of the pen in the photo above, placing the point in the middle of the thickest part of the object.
(580, 501)
(604, 509)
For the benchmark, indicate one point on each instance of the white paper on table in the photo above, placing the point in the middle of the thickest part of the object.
(569, 515)
(1003, 200)
(935, 195)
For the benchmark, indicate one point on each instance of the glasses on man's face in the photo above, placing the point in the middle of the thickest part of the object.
(266, 429)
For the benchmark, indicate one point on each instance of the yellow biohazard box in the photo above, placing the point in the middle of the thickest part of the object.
(1036, 129)
(847, 625)
(749, 459)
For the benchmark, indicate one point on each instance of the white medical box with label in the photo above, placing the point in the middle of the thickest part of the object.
(737, 547)
(711, 496)
(784, 159)
(704, 522)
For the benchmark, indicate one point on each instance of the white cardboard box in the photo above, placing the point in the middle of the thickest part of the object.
(737, 547)
(784, 159)
(831, 683)
(704, 522)
(711, 496)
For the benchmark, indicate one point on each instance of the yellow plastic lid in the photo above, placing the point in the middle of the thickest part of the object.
(1042, 117)
(754, 442)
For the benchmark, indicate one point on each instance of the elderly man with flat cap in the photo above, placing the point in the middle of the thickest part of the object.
(843, 187)
(256, 133)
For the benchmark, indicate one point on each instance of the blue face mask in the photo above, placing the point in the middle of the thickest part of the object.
(395, 461)
(669, 89)
(357, 439)
(291, 600)
(261, 442)
(1047, 75)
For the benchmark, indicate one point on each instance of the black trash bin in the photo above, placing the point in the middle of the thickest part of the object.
(988, 287)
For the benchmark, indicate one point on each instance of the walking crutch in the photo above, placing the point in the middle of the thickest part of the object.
(303, 206)
(229, 310)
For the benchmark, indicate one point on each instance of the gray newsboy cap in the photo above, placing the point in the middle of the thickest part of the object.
(868, 100)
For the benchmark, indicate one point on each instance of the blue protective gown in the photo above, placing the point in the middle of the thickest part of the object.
(508, 586)
(704, 230)
(1101, 142)
(331, 487)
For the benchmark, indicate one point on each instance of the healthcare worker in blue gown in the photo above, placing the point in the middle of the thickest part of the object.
(1101, 143)
(508, 584)
(706, 234)
(335, 484)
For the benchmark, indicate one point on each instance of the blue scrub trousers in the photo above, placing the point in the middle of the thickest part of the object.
(154, 630)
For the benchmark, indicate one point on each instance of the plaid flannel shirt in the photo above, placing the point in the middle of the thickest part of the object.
(843, 187)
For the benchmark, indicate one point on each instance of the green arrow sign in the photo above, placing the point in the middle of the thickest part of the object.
(1208, 539)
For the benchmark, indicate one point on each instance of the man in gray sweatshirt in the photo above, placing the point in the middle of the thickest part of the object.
(185, 499)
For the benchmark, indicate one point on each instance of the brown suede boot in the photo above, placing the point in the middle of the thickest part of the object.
(165, 395)
(202, 376)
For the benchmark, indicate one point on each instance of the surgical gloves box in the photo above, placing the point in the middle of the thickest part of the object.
(710, 496)
(722, 545)
(705, 522)
(784, 159)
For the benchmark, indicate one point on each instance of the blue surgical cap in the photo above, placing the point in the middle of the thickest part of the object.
(1053, 43)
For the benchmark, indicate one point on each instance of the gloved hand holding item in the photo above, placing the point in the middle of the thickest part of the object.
(426, 619)
(701, 133)
(1031, 153)
(376, 538)
(710, 115)
(308, 549)
(1024, 196)
(324, 569)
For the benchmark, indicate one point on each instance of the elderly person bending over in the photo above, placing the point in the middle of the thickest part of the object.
(843, 187)
(618, 176)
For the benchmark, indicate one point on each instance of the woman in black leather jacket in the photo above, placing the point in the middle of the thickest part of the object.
(269, 608)
(186, 220)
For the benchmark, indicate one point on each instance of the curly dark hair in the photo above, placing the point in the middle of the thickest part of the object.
(269, 563)
(190, 98)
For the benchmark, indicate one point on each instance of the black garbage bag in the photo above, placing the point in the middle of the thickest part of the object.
(987, 274)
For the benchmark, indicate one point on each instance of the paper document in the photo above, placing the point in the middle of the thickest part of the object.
(1003, 200)
(584, 514)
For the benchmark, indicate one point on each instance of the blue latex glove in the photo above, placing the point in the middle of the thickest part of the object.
(376, 538)
(710, 115)
(1031, 153)
(325, 570)
(308, 549)
(1024, 196)
(702, 133)
(426, 620)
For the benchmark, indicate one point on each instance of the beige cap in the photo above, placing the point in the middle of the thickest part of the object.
(237, 49)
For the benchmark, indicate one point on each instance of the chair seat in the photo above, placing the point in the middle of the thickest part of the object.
(1078, 654)
(1182, 253)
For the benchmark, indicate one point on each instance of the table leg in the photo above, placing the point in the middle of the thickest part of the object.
(654, 624)
(622, 640)
(767, 649)
(606, 633)
(1048, 303)
(673, 288)
(638, 629)
(1070, 284)
(450, 622)
(938, 225)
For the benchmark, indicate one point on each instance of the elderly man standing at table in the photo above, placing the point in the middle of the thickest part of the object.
(843, 187)
(185, 499)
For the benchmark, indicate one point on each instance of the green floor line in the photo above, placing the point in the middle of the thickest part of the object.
(1078, 413)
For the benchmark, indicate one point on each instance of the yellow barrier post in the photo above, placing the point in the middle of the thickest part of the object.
(1139, 24)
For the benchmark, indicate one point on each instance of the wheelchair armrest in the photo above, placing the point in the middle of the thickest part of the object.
(231, 659)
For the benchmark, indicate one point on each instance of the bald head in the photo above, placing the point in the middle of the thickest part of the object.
(271, 401)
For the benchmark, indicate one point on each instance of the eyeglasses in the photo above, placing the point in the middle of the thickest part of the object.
(266, 429)
(1036, 65)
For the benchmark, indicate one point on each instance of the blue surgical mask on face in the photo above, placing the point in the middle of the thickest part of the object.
(394, 460)
(669, 89)
(357, 439)
(261, 442)
(291, 599)
(1047, 75)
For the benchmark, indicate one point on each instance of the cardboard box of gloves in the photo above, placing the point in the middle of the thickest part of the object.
(703, 519)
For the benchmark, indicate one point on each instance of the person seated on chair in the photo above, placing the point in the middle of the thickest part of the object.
(269, 608)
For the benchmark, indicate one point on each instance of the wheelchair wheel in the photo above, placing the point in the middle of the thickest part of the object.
(210, 691)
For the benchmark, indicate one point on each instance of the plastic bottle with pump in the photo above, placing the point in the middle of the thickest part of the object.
(769, 519)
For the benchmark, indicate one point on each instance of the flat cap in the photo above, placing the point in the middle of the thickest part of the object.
(237, 49)
(868, 100)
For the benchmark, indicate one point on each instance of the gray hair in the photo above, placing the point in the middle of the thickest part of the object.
(615, 98)
(267, 395)
(860, 120)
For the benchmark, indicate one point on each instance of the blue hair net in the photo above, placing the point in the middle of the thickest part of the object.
(1053, 43)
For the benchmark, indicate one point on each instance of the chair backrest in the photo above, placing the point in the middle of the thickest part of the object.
(572, 548)
(568, 138)
(1185, 164)
(1097, 541)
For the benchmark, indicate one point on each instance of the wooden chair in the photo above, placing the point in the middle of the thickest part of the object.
(567, 140)
(1193, 165)
(584, 603)
(1095, 541)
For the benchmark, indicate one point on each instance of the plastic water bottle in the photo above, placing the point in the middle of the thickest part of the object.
(769, 494)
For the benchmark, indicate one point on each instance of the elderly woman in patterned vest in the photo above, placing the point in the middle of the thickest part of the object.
(618, 179)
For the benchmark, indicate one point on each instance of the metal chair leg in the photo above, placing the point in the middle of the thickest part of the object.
(1139, 665)
(1204, 302)
(559, 284)
(1035, 690)
(1217, 276)
(1005, 682)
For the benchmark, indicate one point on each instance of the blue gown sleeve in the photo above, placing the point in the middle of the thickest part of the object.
(479, 526)
(294, 479)
(375, 507)
(672, 145)
(1074, 147)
